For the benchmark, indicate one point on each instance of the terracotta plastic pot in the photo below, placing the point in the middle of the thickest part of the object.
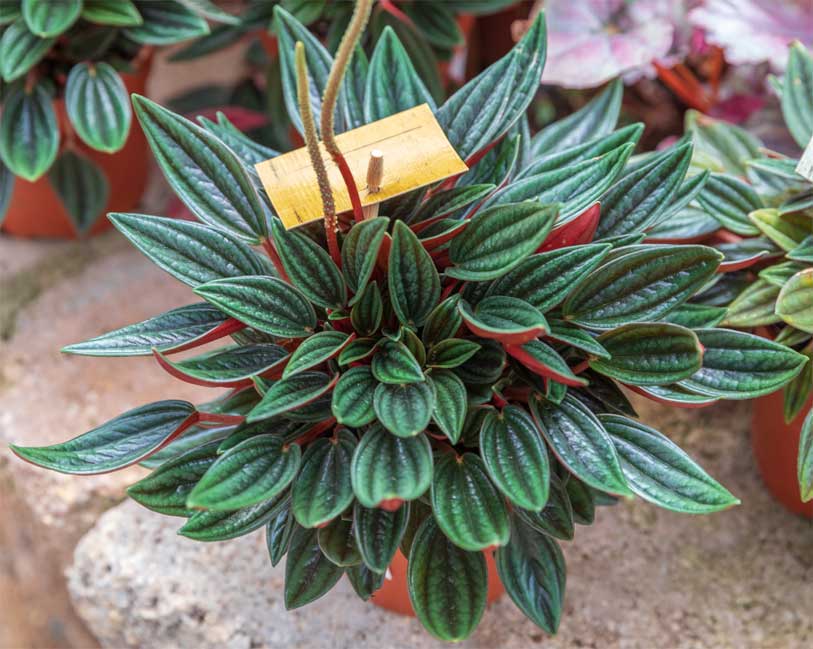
(776, 448)
(35, 209)
(393, 595)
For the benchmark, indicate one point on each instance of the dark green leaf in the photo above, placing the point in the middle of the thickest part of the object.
(485, 366)
(596, 119)
(319, 62)
(290, 394)
(47, 18)
(6, 189)
(795, 301)
(543, 280)
(498, 239)
(392, 83)
(278, 533)
(449, 411)
(556, 519)
(378, 533)
(338, 544)
(119, 13)
(447, 585)
(488, 105)
(120, 442)
(81, 186)
(543, 360)
(253, 471)
(352, 402)
(309, 574)
(222, 526)
(580, 442)
(166, 22)
(443, 322)
(582, 499)
(532, 569)
(754, 306)
(194, 437)
(204, 172)
(634, 203)
(229, 365)
(644, 284)
(797, 94)
(649, 354)
(191, 252)
(165, 489)
(575, 186)
(508, 319)
(694, 316)
(357, 350)
(310, 267)
(394, 363)
(467, 506)
(323, 489)
(162, 332)
(364, 581)
(98, 106)
(660, 472)
(413, 279)
(738, 365)
(22, 50)
(265, 303)
(29, 133)
(448, 201)
(366, 314)
(577, 338)
(386, 467)
(451, 352)
(730, 200)
(404, 410)
(515, 457)
(314, 351)
(360, 251)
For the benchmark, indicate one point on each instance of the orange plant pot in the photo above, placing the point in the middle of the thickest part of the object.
(776, 448)
(394, 595)
(35, 209)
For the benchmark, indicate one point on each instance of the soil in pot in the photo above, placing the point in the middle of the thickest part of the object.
(35, 209)
(776, 448)
(393, 595)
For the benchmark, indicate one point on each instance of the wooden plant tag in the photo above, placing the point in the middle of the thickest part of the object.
(805, 166)
(415, 151)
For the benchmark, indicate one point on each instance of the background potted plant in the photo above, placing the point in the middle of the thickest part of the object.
(67, 152)
(759, 212)
(447, 43)
(445, 379)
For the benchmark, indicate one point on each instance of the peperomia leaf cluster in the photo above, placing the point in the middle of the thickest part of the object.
(453, 383)
(73, 51)
(758, 211)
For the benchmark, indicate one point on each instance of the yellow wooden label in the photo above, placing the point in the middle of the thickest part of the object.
(416, 153)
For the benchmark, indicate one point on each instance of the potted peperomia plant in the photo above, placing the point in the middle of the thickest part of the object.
(444, 379)
(762, 210)
(67, 152)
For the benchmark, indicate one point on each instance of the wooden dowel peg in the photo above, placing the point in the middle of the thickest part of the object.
(375, 175)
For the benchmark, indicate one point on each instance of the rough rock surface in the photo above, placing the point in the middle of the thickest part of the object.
(639, 578)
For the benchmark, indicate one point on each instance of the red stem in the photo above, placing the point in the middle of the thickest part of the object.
(271, 251)
(352, 190)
